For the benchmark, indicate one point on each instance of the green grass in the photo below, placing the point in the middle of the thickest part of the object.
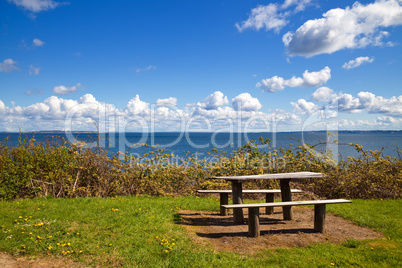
(140, 231)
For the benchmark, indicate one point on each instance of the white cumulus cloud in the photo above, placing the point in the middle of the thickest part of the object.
(310, 79)
(171, 101)
(81, 114)
(323, 94)
(64, 90)
(245, 102)
(38, 43)
(8, 65)
(267, 17)
(380, 105)
(35, 5)
(346, 103)
(367, 101)
(304, 107)
(272, 16)
(357, 62)
(300, 4)
(214, 101)
(2, 106)
(136, 106)
(353, 27)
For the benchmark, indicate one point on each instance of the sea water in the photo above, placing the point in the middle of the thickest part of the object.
(182, 144)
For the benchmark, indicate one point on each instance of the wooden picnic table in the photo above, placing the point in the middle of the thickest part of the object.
(285, 178)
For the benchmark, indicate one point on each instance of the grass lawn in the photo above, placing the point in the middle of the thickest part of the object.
(142, 231)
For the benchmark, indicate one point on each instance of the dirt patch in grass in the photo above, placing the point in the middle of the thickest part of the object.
(7, 261)
(222, 234)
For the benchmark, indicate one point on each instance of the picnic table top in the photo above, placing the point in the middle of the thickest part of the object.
(275, 176)
(248, 191)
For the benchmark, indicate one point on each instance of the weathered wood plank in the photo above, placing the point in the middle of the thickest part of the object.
(319, 212)
(276, 176)
(256, 191)
(293, 203)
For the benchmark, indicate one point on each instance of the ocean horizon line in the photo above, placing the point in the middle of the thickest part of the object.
(203, 132)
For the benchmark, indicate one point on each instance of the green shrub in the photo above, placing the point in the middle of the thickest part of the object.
(61, 169)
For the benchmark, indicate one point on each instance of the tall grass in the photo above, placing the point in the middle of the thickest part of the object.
(59, 168)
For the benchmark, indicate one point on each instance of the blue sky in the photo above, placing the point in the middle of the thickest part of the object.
(289, 65)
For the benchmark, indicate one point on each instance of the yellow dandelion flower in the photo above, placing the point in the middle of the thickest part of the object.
(49, 247)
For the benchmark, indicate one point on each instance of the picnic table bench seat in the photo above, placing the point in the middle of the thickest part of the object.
(224, 197)
(254, 216)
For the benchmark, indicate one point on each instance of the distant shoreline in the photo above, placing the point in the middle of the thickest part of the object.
(174, 132)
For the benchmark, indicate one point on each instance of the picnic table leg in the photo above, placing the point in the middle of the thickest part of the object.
(237, 199)
(269, 198)
(254, 222)
(286, 197)
(224, 200)
(319, 218)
